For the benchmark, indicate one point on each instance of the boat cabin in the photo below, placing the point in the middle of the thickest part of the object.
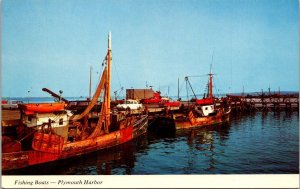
(59, 122)
(205, 110)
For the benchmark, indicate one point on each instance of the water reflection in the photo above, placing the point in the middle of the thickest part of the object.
(250, 143)
(203, 140)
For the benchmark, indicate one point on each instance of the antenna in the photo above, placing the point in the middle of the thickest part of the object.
(109, 41)
(178, 89)
(90, 87)
(212, 59)
(210, 85)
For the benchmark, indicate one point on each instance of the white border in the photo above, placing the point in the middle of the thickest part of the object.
(156, 181)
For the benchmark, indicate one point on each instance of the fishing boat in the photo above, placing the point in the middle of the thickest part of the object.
(50, 132)
(155, 99)
(161, 101)
(204, 112)
(172, 104)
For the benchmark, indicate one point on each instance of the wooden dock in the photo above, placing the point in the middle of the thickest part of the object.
(264, 103)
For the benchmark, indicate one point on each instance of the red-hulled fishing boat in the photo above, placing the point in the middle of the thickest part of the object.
(46, 135)
(156, 99)
(162, 101)
(204, 112)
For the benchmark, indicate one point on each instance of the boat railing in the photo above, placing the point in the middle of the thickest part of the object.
(140, 120)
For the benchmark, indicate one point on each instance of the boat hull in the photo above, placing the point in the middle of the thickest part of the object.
(17, 160)
(191, 121)
(172, 104)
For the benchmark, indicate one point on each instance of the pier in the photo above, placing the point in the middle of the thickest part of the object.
(239, 104)
(274, 102)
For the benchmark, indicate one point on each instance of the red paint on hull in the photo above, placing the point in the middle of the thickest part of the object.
(23, 159)
(172, 104)
(204, 101)
(126, 134)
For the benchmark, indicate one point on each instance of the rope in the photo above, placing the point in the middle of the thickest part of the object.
(150, 123)
(140, 120)
(27, 135)
(115, 65)
(215, 86)
(94, 99)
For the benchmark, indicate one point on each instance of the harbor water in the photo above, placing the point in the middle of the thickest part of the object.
(256, 143)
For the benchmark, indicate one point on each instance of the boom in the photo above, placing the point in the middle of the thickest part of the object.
(56, 96)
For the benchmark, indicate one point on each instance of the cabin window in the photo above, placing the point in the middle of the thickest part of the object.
(61, 121)
(206, 108)
(29, 119)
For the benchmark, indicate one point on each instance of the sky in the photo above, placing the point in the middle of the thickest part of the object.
(251, 44)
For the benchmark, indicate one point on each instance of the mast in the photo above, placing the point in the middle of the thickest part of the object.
(178, 89)
(107, 91)
(210, 94)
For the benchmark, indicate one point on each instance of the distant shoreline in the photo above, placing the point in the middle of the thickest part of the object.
(173, 96)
